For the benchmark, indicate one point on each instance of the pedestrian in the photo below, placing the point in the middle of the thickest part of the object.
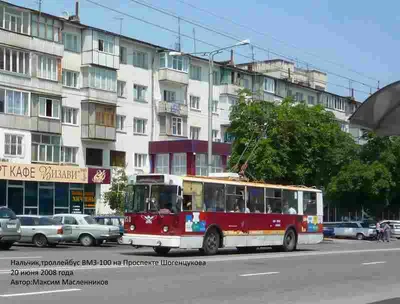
(386, 232)
(378, 231)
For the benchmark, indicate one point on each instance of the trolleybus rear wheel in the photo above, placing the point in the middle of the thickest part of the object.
(211, 242)
(289, 241)
(161, 250)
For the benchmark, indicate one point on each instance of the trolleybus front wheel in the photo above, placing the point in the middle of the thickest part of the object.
(161, 250)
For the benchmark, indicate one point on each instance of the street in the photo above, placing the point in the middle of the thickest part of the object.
(331, 272)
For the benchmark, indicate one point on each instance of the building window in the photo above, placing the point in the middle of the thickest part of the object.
(122, 55)
(46, 148)
(179, 63)
(94, 157)
(140, 160)
(121, 88)
(14, 61)
(105, 116)
(46, 28)
(194, 133)
(169, 96)
(47, 68)
(311, 100)
(68, 155)
(215, 106)
(179, 164)
(344, 127)
(216, 78)
(228, 138)
(120, 123)
(139, 125)
(103, 79)
(70, 79)
(139, 92)
(232, 102)
(177, 126)
(195, 72)
(329, 102)
(117, 159)
(49, 108)
(195, 102)
(106, 43)
(269, 85)
(299, 97)
(339, 104)
(216, 165)
(162, 164)
(245, 83)
(201, 164)
(14, 20)
(70, 115)
(215, 135)
(289, 93)
(163, 124)
(14, 102)
(140, 59)
(71, 42)
(13, 145)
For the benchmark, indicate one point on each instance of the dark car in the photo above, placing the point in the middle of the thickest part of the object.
(329, 231)
(112, 220)
(10, 228)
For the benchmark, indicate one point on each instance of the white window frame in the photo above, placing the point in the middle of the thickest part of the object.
(9, 61)
(46, 146)
(24, 102)
(140, 59)
(339, 104)
(194, 102)
(17, 144)
(215, 135)
(47, 22)
(162, 164)
(179, 164)
(108, 43)
(309, 99)
(169, 96)
(201, 164)
(121, 88)
(139, 92)
(73, 115)
(215, 106)
(123, 56)
(74, 153)
(140, 160)
(177, 123)
(143, 126)
(75, 38)
(102, 79)
(55, 114)
(120, 123)
(195, 133)
(216, 165)
(269, 85)
(20, 15)
(177, 63)
(195, 72)
(47, 68)
(74, 79)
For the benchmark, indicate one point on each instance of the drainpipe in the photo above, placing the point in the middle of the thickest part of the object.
(152, 99)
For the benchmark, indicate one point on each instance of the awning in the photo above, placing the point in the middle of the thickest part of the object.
(380, 112)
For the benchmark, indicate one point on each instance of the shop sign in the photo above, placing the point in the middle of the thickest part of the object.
(76, 201)
(90, 200)
(99, 176)
(43, 173)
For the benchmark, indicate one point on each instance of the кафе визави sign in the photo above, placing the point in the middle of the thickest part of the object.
(50, 173)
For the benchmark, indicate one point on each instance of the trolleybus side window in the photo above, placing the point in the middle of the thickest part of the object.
(274, 200)
(309, 203)
(255, 202)
(192, 196)
(214, 197)
(234, 198)
(290, 201)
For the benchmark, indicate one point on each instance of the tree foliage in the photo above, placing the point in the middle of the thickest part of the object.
(288, 143)
(115, 196)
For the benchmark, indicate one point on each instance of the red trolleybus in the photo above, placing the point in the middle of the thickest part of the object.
(207, 213)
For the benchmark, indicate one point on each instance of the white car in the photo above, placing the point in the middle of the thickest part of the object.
(86, 230)
(394, 227)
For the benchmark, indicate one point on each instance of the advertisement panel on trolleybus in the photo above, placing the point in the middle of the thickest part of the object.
(207, 213)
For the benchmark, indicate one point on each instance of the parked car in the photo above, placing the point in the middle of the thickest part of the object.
(358, 230)
(394, 227)
(42, 231)
(329, 231)
(85, 229)
(112, 220)
(10, 228)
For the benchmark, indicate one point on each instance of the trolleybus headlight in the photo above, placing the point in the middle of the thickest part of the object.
(165, 228)
(133, 227)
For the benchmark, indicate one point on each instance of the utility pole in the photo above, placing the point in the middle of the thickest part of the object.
(179, 34)
(120, 24)
(40, 6)
(194, 40)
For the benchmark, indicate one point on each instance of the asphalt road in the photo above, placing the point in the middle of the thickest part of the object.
(338, 272)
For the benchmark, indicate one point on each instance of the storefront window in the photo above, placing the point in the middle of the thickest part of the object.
(62, 200)
(89, 200)
(16, 199)
(3, 189)
(46, 198)
(31, 198)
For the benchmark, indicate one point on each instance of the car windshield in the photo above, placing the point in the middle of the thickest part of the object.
(89, 220)
(6, 213)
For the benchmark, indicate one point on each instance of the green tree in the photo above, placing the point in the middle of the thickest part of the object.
(288, 143)
(115, 197)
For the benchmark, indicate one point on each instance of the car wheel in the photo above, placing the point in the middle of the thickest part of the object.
(360, 236)
(86, 240)
(119, 241)
(211, 242)
(5, 246)
(39, 240)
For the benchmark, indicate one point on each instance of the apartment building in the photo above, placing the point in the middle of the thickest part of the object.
(76, 102)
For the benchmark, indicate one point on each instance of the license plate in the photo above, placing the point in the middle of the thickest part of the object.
(12, 226)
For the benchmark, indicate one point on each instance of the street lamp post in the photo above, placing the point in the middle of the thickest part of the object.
(210, 92)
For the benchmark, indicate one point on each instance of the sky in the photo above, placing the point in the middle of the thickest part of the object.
(347, 39)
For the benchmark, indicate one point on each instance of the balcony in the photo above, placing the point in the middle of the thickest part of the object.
(100, 95)
(173, 76)
(98, 121)
(47, 125)
(18, 122)
(165, 107)
(230, 89)
(31, 43)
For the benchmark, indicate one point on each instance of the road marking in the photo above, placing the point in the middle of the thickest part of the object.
(37, 293)
(258, 274)
(374, 263)
(21, 257)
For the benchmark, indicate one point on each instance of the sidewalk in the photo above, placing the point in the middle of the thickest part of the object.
(338, 240)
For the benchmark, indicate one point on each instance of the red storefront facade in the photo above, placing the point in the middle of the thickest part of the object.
(187, 157)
